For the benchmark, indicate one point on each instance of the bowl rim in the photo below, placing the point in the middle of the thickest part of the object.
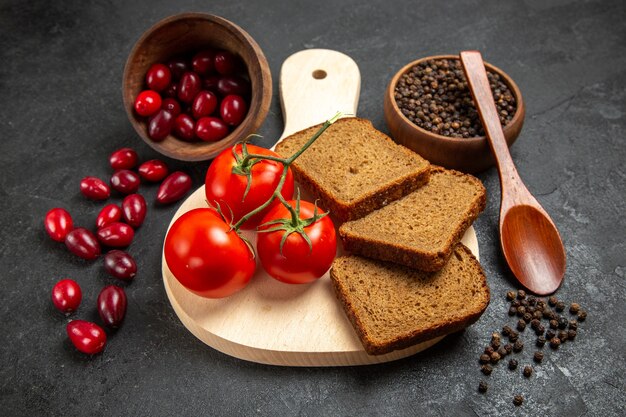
(519, 111)
(258, 108)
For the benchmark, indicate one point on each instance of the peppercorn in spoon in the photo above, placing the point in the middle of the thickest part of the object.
(530, 241)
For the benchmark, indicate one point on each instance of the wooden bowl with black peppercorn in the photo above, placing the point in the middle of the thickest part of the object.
(183, 35)
(429, 109)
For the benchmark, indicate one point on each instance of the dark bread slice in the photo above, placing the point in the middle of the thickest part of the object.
(353, 169)
(393, 307)
(421, 229)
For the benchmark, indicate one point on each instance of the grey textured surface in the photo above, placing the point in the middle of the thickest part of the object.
(61, 115)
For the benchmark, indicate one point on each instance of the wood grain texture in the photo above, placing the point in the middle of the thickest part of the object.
(530, 241)
(188, 33)
(470, 155)
(268, 321)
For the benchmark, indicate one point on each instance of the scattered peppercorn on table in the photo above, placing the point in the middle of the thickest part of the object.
(63, 116)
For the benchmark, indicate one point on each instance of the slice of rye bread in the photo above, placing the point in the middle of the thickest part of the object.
(393, 307)
(421, 229)
(353, 169)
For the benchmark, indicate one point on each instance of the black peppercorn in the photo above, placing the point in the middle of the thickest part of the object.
(482, 387)
(484, 358)
(574, 307)
(508, 348)
(555, 342)
(495, 357)
(550, 334)
(489, 350)
(518, 346)
(512, 364)
(521, 325)
(560, 306)
(562, 323)
(521, 310)
(531, 309)
(539, 330)
(571, 334)
(541, 341)
(547, 313)
(502, 352)
(515, 303)
(554, 324)
(512, 311)
(510, 295)
(524, 303)
(495, 340)
(513, 336)
(521, 294)
(534, 323)
(527, 317)
(518, 400)
(582, 315)
(528, 371)
(532, 300)
(562, 335)
(552, 301)
(573, 324)
(506, 330)
(486, 369)
(538, 356)
(538, 314)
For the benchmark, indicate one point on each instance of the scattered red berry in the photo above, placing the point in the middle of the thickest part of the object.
(124, 158)
(125, 181)
(116, 235)
(153, 170)
(134, 209)
(173, 188)
(87, 337)
(110, 213)
(58, 224)
(66, 296)
(112, 305)
(94, 188)
(120, 264)
(82, 243)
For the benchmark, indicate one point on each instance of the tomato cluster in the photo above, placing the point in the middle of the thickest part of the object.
(205, 250)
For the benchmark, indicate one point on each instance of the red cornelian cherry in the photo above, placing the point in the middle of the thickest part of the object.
(185, 128)
(116, 235)
(153, 170)
(120, 264)
(204, 104)
(112, 305)
(125, 181)
(134, 209)
(82, 243)
(158, 77)
(66, 296)
(171, 105)
(86, 336)
(147, 103)
(58, 223)
(94, 188)
(160, 125)
(211, 129)
(110, 213)
(211, 83)
(173, 188)
(233, 84)
(123, 158)
(178, 66)
(233, 110)
(202, 62)
(189, 86)
(225, 62)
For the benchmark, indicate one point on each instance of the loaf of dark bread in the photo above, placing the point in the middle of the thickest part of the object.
(353, 169)
(421, 229)
(393, 307)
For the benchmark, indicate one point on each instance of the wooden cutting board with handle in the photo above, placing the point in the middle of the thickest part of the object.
(270, 322)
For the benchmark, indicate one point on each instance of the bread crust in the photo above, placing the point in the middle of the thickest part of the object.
(359, 207)
(404, 255)
(402, 341)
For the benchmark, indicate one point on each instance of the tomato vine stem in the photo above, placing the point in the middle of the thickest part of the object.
(286, 162)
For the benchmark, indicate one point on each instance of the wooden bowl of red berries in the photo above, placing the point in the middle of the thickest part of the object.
(429, 109)
(194, 84)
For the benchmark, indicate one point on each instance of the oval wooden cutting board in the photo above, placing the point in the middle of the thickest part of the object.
(270, 322)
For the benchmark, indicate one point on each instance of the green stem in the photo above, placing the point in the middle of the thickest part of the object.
(286, 164)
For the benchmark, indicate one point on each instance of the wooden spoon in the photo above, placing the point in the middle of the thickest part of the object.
(530, 240)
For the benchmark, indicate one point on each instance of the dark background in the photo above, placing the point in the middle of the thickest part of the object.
(61, 115)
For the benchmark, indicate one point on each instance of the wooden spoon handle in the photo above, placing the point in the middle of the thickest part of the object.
(476, 75)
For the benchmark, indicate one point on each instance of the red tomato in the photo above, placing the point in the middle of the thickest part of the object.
(206, 256)
(227, 188)
(298, 263)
